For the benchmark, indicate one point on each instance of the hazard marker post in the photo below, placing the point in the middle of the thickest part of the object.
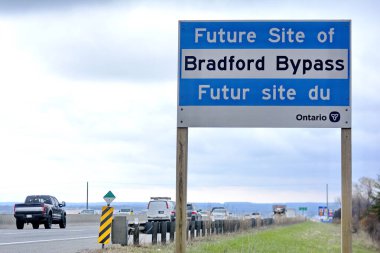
(106, 220)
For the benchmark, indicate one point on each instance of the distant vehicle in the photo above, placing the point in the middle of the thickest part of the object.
(256, 216)
(247, 216)
(279, 209)
(204, 215)
(192, 212)
(87, 211)
(161, 209)
(40, 209)
(218, 207)
(219, 213)
(126, 211)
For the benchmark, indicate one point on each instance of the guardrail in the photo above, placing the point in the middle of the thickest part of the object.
(122, 229)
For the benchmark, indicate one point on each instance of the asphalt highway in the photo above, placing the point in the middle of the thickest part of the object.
(72, 239)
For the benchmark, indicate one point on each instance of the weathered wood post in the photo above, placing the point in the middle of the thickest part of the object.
(203, 225)
(227, 226)
(346, 190)
(192, 229)
(136, 234)
(198, 228)
(187, 230)
(154, 233)
(172, 231)
(181, 189)
(164, 228)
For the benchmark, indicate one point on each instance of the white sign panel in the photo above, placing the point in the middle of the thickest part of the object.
(264, 74)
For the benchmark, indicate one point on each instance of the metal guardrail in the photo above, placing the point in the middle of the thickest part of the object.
(123, 229)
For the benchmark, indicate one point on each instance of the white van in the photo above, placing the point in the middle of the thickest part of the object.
(161, 209)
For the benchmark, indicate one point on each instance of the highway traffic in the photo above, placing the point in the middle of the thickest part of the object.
(82, 230)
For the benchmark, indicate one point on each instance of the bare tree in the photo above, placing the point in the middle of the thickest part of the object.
(362, 199)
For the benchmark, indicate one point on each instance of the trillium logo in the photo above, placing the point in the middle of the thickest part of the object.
(334, 116)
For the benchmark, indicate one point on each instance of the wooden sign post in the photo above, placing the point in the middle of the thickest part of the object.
(181, 189)
(346, 174)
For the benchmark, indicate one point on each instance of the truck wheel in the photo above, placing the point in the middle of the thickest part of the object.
(35, 225)
(48, 222)
(19, 224)
(62, 223)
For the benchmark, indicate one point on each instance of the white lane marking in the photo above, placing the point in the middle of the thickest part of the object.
(41, 231)
(51, 240)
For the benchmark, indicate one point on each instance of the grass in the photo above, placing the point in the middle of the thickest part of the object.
(308, 237)
(305, 237)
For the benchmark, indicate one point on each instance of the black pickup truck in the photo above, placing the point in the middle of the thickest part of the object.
(40, 209)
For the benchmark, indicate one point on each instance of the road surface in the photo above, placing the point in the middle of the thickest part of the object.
(72, 239)
(76, 238)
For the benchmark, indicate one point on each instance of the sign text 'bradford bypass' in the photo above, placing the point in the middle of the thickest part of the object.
(264, 74)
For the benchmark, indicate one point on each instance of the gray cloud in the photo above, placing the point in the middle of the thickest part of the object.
(26, 6)
(103, 52)
(102, 43)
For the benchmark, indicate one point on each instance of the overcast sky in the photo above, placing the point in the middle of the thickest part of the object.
(88, 92)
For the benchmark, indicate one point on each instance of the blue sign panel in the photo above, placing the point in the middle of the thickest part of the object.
(260, 66)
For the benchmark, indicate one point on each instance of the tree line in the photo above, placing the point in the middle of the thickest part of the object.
(366, 207)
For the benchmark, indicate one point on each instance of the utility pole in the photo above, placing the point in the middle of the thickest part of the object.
(327, 198)
(87, 197)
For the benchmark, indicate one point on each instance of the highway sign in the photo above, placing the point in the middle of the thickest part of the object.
(322, 210)
(109, 197)
(264, 74)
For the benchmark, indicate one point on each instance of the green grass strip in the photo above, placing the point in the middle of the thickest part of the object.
(305, 237)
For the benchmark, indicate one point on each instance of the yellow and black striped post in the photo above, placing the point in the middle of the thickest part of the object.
(105, 225)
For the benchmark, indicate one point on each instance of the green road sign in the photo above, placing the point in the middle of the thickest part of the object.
(109, 197)
(302, 208)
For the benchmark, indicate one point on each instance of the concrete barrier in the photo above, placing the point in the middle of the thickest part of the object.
(9, 220)
(82, 218)
(283, 220)
(140, 218)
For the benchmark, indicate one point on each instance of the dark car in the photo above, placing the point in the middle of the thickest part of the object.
(192, 212)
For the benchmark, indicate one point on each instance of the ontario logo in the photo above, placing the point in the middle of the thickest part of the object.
(334, 116)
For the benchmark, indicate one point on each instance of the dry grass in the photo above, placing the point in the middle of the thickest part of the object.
(133, 249)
